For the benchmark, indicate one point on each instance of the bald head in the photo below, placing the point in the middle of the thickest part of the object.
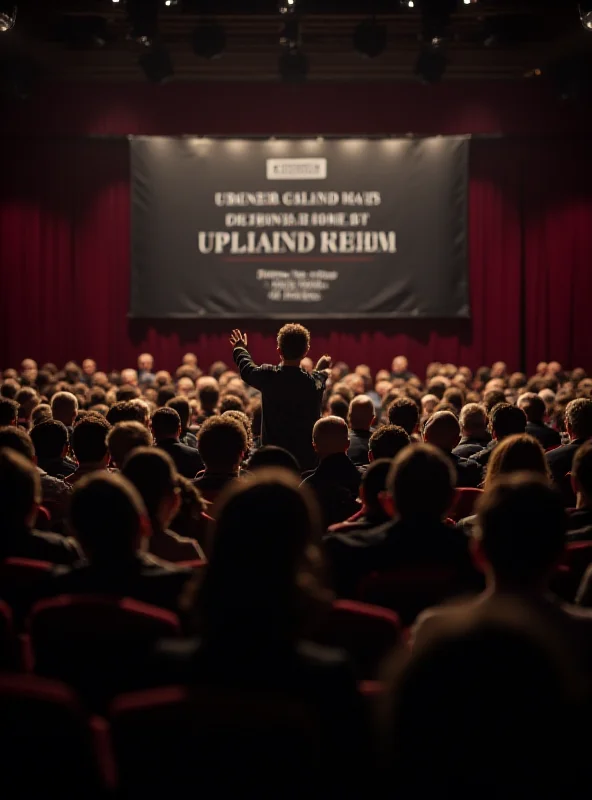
(442, 430)
(361, 413)
(330, 436)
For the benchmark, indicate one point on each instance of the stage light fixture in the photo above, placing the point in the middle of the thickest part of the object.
(287, 6)
(157, 65)
(8, 12)
(293, 66)
(370, 38)
(408, 3)
(143, 20)
(585, 9)
(208, 40)
(431, 65)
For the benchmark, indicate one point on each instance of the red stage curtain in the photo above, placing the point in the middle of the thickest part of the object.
(64, 255)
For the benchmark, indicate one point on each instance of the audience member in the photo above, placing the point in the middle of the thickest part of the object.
(64, 407)
(125, 437)
(165, 393)
(504, 420)
(535, 410)
(154, 475)
(28, 399)
(338, 406)
(361, 418)
(255, 610)
(443, 431)
(579, 519)
(145, 366)
(272, 456)
(520, 539)
(336, 480)
(8, 412)
(372, 491)
(404, 412)
(166, 428)
(578, 425)
(244, 420)
(50, 440)
(109, 519)
(291, 397)
(20, 498)
(208, 394)
(231, 402)
(473, 429)
(55, 493)
(222, 443)
(387, 441)
(126, 411)
(420, 489)
(89, 445)
(183, 409)
(41, 413)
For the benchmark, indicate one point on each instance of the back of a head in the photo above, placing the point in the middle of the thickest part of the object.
(222, 442)
(245, 421)
(492, 398)
(166, 423)
(578, 418)
(8, 412)
(272, 456)
(455, 397)
(154, 475)
(473, 420)
(125, 437)
(361, 412)
(517, 453)
(64, 406)
(330, 436)
(49, 438)
(89, 439)
(208, 395)
(533, 406)
(293, 341)
(374, 482)
(181, 405)
(264, 526)
(165, 393)
(231, 402)
(497, 690)
(421, 483)
(581, 469)
(338, 406)
(404, 412)
(20, 488)
(387, 441)
(521, 527)
(18, 440)
(125, 411)
(105, 514)
(41, 413)
(506, 419)
(442, 430)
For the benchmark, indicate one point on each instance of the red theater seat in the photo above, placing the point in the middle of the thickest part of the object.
(97, 644)
(464, 503)
(47, 745)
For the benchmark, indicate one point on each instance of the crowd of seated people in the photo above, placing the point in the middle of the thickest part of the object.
(296, 579)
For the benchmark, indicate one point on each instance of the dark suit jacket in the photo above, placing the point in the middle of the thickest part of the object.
(336, 482)
(469, 446)
(190, 439)
(396, 545)
(358, 446)
(544, 434)
(143, 578)
(291, 404)
(57, 467)
(468, 473)
(210, 484)
(579, 524)
(187, 459)
(559, 460)
(483, 456)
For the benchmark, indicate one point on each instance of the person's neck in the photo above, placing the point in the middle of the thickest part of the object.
(360, 428)
(290, 362)
(221, 470)
(169, 438)
(498, 586)
(325, 456)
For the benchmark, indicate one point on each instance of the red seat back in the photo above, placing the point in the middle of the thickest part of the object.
(367, 632)
(19, 578)
(46, 743)
(576, 560)
(465, 500)
(97, 644)
(238, 743)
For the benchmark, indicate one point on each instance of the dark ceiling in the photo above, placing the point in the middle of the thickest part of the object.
(522, 35)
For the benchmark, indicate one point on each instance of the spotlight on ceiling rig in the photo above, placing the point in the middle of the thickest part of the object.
(287, 6)
(370, 38)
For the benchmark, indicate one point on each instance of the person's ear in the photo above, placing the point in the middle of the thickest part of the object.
(372, 422)
(575, 484)
(31, 517)
(145, 528)
(387, 503)
(65, 450)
